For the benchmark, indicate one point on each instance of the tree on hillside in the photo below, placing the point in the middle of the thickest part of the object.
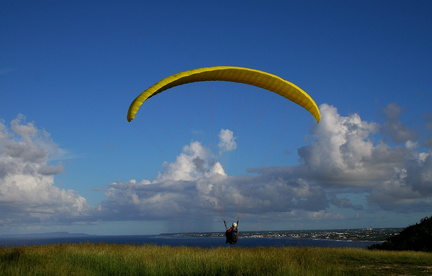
(416, 237)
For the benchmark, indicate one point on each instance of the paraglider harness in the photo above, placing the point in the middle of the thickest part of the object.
(231, 233)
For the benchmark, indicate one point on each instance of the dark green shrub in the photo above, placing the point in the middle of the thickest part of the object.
(416, 237)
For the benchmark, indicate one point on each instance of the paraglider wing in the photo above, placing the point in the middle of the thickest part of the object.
(233, 74)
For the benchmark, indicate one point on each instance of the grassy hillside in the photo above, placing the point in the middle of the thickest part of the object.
(111, 259)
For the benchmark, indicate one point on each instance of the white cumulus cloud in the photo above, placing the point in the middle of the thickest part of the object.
(349, 153)
(347, 169)
(27, 190)
(227, 140)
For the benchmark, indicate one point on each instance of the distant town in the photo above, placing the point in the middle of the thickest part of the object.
(365, 234)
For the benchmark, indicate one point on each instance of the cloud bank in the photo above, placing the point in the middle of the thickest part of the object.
(349, 153)
(27, 190)
(382, 163)
(350, 167)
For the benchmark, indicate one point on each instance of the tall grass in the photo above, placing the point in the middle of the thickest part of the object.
(111, 259)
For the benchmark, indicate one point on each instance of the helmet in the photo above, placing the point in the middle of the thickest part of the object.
(234, 224)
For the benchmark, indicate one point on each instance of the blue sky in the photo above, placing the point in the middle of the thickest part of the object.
(70, 161)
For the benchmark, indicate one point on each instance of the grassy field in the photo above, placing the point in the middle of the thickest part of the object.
(111, 259)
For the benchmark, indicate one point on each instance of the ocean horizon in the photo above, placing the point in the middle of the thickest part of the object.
(190, 241)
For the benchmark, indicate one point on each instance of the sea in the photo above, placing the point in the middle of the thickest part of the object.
(173, 240)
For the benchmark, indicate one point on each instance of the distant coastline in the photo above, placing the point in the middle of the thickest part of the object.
(358, 238)
(363, 234)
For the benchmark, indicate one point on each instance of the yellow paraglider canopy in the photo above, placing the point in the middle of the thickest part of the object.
(233, 74)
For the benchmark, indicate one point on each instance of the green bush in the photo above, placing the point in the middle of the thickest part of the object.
(416, 237)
